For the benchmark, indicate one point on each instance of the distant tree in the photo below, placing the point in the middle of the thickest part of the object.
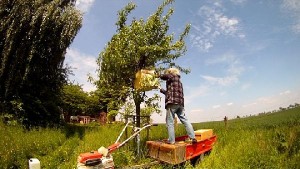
(74, 100)
(137, 45)
(34, 36)
(112, 115)
(94, 106)
(290, 106)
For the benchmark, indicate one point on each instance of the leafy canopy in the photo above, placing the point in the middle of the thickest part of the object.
(141, 44)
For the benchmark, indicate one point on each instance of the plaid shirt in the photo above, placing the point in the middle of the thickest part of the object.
(174, 92)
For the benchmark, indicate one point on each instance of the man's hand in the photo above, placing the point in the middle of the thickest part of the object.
(159, 87)
(157, 74)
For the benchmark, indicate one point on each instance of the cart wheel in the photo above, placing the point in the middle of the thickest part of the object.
(195, 161)
(179, 166)
(208, 152)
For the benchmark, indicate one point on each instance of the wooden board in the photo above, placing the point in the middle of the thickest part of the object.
(169, 153)
(203, 134)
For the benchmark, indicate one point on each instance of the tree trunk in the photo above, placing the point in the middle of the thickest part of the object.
(138, 98)
(137, 103)
(103, 118)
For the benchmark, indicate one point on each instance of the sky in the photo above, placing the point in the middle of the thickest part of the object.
(244, 55)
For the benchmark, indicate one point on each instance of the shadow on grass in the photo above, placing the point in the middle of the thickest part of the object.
(72, 130)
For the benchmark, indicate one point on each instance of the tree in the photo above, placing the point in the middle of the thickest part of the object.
(34, 36)
(74, 100)
(138, 45)
(94, 107)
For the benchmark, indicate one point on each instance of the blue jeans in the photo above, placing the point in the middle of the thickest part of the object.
(173, 109)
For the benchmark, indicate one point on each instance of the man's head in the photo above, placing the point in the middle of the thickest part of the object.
(173, 71)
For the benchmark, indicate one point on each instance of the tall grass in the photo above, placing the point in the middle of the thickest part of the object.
(55, 148)
(18, 145)
(265, 141)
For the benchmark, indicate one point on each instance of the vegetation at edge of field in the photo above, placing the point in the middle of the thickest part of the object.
(265, 141)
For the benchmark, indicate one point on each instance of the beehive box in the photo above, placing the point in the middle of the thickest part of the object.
(203, 134)
(145, 80)
(169, 153)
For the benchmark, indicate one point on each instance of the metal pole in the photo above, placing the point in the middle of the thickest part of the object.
(138, 146)
(148, 122)
(122, 132)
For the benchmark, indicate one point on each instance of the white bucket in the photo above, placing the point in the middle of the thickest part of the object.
(34, 163)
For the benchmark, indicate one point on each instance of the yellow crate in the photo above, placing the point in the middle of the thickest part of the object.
(203, 134)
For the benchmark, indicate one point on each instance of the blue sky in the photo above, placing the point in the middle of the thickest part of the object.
(244, 55)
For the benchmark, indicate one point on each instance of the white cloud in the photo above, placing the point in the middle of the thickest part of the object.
(214, 24)
(84, 5)
(216, 106)
(223, 81)
(296, 27)
(223, 93)
(226, 58)
(234, 69)
(227, 25)
(196, 110)
(285, 92)
(249, 105)
(292, 5)
(243, 108)
(273, 102)
(193, 93)
(229, 104)
(245, 86)
(237, 2)
(82, 65)
(293, 8)
(234, 65)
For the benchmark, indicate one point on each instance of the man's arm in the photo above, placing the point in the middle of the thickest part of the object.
(163, 91)
(166, 76)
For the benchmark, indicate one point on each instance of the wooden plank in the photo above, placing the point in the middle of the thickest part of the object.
(169, 153)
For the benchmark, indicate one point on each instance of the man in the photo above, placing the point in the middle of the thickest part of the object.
(174, 104)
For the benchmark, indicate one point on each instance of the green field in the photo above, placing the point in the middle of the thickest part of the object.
(264, 141)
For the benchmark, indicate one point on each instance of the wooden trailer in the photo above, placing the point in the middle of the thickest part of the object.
(183, 149)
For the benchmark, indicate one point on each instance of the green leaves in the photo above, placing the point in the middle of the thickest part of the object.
(33, 39)
(137, 45)
(123, 15)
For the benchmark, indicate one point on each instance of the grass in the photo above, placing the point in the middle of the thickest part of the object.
(264, 141)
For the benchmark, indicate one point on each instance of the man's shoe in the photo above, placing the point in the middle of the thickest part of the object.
(194, 141)
(169, 142)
